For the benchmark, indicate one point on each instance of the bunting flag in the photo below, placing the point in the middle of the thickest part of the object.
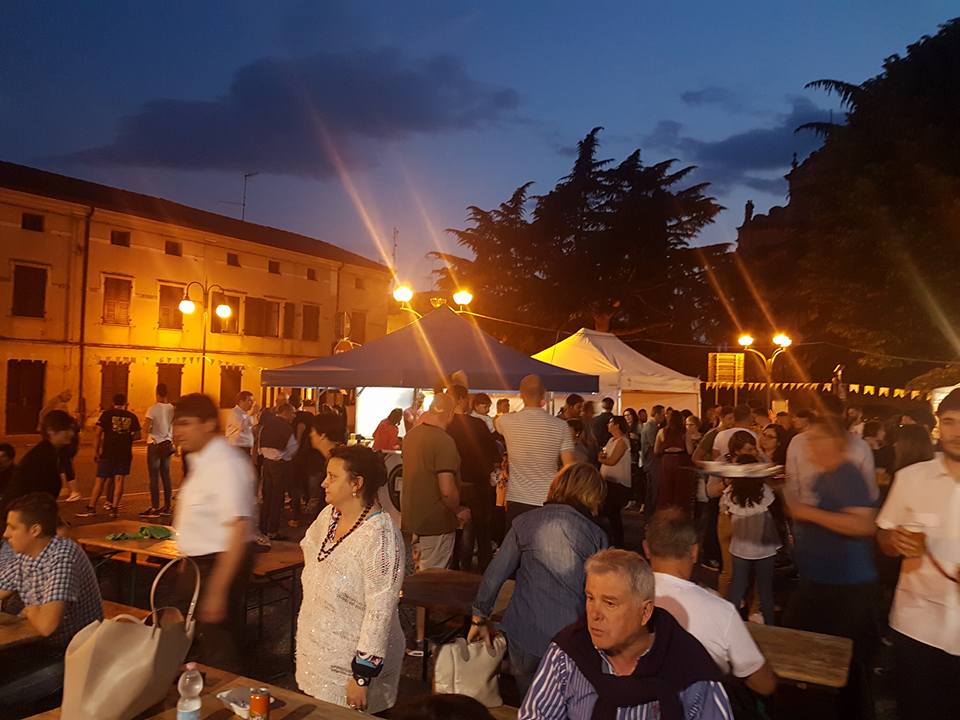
(884, 392)
(854, 387)
(899, 393)
(868, 389)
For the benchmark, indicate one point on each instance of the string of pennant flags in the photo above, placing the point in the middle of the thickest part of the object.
(856, 388)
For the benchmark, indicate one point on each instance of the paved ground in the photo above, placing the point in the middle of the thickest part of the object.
(269, 645)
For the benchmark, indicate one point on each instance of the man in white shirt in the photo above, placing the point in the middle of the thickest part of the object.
(671, 545)
(802, 472)
(537, 443)
(241, 422)
(214, 524)
(920, 522)
(743, 421)
(158, 428)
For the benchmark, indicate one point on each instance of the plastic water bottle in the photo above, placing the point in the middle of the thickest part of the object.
(190, 686)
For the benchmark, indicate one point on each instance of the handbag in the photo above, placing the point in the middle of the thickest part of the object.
(470, 669)
(115, 669)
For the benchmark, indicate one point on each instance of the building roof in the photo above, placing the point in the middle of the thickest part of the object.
(61, 187)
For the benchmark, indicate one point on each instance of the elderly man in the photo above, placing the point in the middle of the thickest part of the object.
(671, 545)
(626, 659)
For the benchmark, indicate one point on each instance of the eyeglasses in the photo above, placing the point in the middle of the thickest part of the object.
(770, 437)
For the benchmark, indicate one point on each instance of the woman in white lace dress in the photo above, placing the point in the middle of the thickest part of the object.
(349, 641)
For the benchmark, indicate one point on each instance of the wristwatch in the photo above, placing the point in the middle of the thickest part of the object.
(361, 681)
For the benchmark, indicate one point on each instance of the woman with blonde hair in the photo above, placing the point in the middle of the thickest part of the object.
(546, 548)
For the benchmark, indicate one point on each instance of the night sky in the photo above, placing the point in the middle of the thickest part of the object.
(361, 116)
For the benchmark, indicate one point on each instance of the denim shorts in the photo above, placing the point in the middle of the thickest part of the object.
(110, 468)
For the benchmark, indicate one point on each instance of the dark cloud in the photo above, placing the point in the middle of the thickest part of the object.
(714, 95)
(746, 158)
(284, 115)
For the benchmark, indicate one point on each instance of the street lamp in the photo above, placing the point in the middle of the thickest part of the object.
(463, 298)
(781, 340)
(188, 307)
(403, 294)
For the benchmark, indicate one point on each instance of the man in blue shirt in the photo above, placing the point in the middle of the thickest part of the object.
(57, 585)
(626, 660)
(834, 556)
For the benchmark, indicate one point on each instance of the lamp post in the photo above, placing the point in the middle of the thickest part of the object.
(188, 307)
(403, 294)
(782, 342)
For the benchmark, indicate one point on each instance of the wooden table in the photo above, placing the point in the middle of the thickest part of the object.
(804, 657)
(281, 566)
(451, 592)
(294, 705)
(15, 630)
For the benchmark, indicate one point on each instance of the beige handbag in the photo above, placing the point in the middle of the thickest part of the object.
(470, 669)
(115, 669)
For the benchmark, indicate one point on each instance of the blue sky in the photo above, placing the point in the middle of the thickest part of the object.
(362, 116)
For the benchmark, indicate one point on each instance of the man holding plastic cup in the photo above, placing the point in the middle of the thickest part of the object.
(920, 522)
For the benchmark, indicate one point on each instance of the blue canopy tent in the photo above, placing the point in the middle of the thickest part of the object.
(425, 354)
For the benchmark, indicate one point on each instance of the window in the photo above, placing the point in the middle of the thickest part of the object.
(120, 237)
(261, 318)
(360, 283)
(274, 267)
(116, 301)
(170, 375)
(31, 221)
(29, 291)
(170, 316)
(114, 377)
(311, 322)
(225, 325)
(234, 261)
(358, 326)
(230, 382)
(289, 319)
(311, 274)
(172, 247)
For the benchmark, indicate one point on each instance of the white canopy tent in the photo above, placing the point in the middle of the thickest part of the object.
(630, 378)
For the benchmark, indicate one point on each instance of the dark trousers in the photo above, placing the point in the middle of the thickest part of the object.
(845, 611)
(709, 542)
(651, 467)
(158, 466)
(926, 680)
(515, 510)
(617, 498)
(220, 644)
(480, 499)
(275, 474)
(742, 570)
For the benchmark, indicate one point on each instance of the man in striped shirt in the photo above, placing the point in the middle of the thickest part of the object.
(626, 660)
(537, 443)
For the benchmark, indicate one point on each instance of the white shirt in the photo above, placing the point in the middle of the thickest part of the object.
(535, 439)
(286, 455)
(802, 472)
(218, 489)
(240, 428)
(711, 620)
(926, 606)
(619, 473)
(721, 443)
(161, 422)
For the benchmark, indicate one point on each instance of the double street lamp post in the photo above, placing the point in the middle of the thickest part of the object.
(188, 307)
(782, 342)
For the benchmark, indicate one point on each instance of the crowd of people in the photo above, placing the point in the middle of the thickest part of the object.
(866, 515)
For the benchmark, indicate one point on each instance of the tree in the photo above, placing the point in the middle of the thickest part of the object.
(607, 247)
(874, 215)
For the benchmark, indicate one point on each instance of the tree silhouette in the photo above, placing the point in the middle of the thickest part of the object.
(606, 247)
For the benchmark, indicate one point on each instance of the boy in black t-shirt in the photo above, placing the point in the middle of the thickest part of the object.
(116, 430)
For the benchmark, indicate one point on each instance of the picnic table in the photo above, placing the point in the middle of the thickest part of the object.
(447, 591)
(799, 656)
(15, 631)
(292, 704)
(279, 567)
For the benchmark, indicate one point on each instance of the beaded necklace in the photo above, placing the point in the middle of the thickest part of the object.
(335, 521)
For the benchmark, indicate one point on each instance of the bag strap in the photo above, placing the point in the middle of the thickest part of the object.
(188, 621)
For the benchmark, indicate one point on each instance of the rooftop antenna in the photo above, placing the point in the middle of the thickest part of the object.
(243, 203)
(396, 245)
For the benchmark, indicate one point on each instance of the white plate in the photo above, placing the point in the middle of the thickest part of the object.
(732, 470)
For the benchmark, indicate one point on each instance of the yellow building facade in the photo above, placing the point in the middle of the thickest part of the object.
(91, 278)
